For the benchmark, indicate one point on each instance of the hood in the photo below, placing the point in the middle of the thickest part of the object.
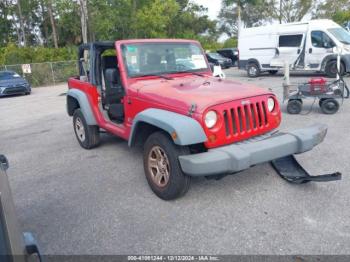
(13, 82)
(182, 93)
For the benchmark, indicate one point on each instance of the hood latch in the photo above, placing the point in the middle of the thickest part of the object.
(192, 109)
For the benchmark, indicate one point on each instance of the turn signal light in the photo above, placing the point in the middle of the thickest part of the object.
(212, 138)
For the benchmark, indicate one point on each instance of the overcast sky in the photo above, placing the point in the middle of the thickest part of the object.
(212, 5)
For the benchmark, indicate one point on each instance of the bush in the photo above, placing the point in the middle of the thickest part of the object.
(12, 54)
(231, 42)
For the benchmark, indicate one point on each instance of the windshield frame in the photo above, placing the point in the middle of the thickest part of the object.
(338, 32)
(160, 74)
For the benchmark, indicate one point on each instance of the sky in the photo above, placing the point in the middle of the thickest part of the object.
(212, 5)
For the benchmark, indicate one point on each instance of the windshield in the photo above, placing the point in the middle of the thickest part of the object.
(8, 75)
(144, 59)
(215, 55)
(341, 34)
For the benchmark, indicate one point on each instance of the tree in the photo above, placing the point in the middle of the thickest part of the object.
(53, 25)
(84, 20)
(250, 12)
(336, 10)
(21, 23)
(293, 10)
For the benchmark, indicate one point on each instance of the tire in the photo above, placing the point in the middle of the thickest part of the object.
(331, 68)
(294, 106)
(88, 136)
(273, 72)
(27, 93)
(329, 106)
(321, 101)
(172, 182)
(253, 70)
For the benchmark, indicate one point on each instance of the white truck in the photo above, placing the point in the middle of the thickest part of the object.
(306, 46)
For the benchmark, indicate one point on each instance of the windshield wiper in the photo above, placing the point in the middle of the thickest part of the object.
(345, 42)
(191, 72)
(159, 75)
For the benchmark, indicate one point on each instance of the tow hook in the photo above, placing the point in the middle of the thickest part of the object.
(289, 169)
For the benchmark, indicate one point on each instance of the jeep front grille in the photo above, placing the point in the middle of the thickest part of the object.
(245, 118)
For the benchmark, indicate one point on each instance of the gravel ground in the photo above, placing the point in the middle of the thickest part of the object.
(98, 201)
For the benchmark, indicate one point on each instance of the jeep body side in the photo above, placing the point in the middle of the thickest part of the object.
(15, 246)
(160, 93)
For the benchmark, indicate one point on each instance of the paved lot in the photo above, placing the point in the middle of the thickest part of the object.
(98, 202)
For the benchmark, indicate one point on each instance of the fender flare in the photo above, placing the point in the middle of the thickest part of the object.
(188, 130)
(83, 104)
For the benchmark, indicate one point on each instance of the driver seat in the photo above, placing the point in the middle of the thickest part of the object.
(114, 91)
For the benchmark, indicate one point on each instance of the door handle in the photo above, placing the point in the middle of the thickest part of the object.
(298, 51)
(310, 50)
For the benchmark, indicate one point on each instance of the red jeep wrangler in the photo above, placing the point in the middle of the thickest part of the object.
(161, 94)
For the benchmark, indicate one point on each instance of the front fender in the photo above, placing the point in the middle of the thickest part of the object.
(83, 104)
(188, 130)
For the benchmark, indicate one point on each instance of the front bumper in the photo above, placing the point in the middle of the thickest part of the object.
(5, 91)
(239, 156)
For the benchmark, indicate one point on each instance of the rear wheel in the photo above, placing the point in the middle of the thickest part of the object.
(162, 167)
(88, 136)
(294, 106)
(331, 68)
(253, 70)
(329, 106)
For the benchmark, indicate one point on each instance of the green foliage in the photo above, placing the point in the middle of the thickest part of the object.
(12, 54)
(155, 20)
(231, 42)
(341, 17)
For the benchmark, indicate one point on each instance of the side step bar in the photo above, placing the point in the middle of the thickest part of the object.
(289, 169)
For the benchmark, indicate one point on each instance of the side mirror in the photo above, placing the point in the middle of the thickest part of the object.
(112, 76)
(337, 50)
(4, 162)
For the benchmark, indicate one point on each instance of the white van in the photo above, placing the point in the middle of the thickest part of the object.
(306, 46)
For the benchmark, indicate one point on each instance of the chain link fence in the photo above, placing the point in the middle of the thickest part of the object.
(45, 74)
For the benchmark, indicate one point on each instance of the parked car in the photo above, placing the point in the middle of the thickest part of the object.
(231, 53)
(14, 246)
(188, 122)
(305, 46)
(218, 59)
(12, 83)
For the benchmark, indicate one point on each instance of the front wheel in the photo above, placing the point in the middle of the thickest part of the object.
(88, 136)
(331, 69)
(253, 70)
(162, 167)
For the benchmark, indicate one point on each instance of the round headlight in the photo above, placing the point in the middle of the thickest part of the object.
(210, 119)
(270, 104)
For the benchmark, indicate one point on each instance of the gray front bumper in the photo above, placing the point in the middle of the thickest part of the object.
(240, 156)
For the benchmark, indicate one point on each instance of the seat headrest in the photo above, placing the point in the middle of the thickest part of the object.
(109, 62)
